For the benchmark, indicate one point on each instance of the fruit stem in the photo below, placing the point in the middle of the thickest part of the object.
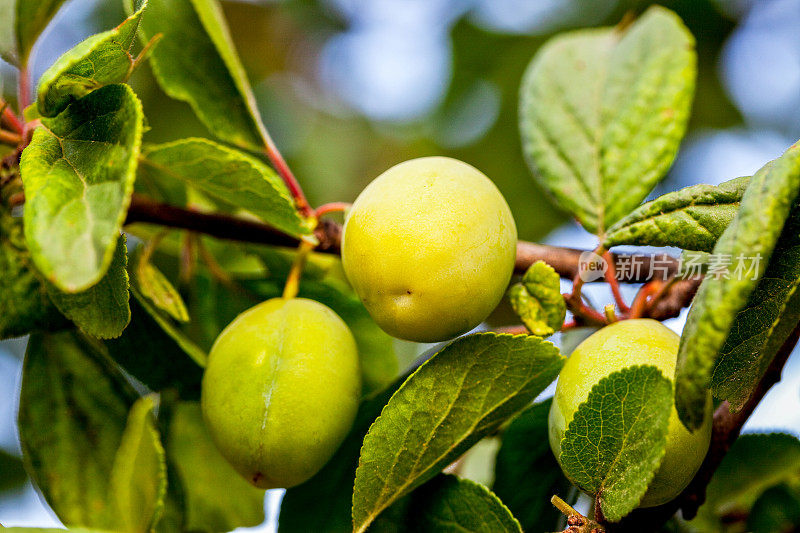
(576, 522)
(563, 506)
(608, 310)
(332, 207)
(292, 286)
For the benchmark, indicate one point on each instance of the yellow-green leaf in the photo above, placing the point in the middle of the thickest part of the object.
(228, 175)
(614, 444)
(78, 175)
(195, 62)
(102, 310)
(138, 481)
(748, 242)
(100, 60)
(460, 395)
(602, 113)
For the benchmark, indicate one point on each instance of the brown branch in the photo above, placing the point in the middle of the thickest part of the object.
(726, 428)
(564, 260)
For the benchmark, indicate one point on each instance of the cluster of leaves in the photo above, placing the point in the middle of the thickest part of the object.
(602, 115)
(109, 420)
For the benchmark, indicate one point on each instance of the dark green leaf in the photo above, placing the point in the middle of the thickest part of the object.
(228, 175)
(138, 481)
(78, 175)
(217, 498)
(72, 413)
(449, 504)
(329, 492)
(748, 241)
(776, 511)
(602, 113)
(195, 62)
(24, 303)
(156, 353)
(457, 397)
(538, 301)
(102, 310)
(100, 60)
(765, 322)
(526, 473)
(692, 218)
(12, 473)
(617, 438)
(753, 464)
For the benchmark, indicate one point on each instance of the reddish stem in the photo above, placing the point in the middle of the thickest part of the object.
(10, 119)
(288, 178)
(333, 207)
(611, 279)
(24, 88)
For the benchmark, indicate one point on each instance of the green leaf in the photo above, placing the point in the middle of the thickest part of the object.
(379, 364)
(749, 241)
(195, 62)
(765, 322)
(450, 504)
(78, 175)
(217, 497)
(692, 218)
(72, 413)
(156, 353)
(460, 395)
(138, 481)
(24, 303)
(12, 473)
(617, 438)
(754, 463)
(330, 492)
(158, 290)
(602, 113)
(100, 60)
(228, 175)
(102, 310)
(526, 473)
(538, 300)
(777, 510)
(21, 23)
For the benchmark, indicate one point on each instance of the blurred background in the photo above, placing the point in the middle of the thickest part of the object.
(348, 88)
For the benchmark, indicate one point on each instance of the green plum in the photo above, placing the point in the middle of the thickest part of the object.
(429, 247)
(619, 345)
(281, 390)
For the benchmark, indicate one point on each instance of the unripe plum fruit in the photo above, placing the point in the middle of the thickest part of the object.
(429, 247)
(615, 347)
(281, 390)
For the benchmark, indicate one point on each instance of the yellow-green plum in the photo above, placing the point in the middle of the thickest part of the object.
(623, 344)
(429, 247)
(281, 390)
